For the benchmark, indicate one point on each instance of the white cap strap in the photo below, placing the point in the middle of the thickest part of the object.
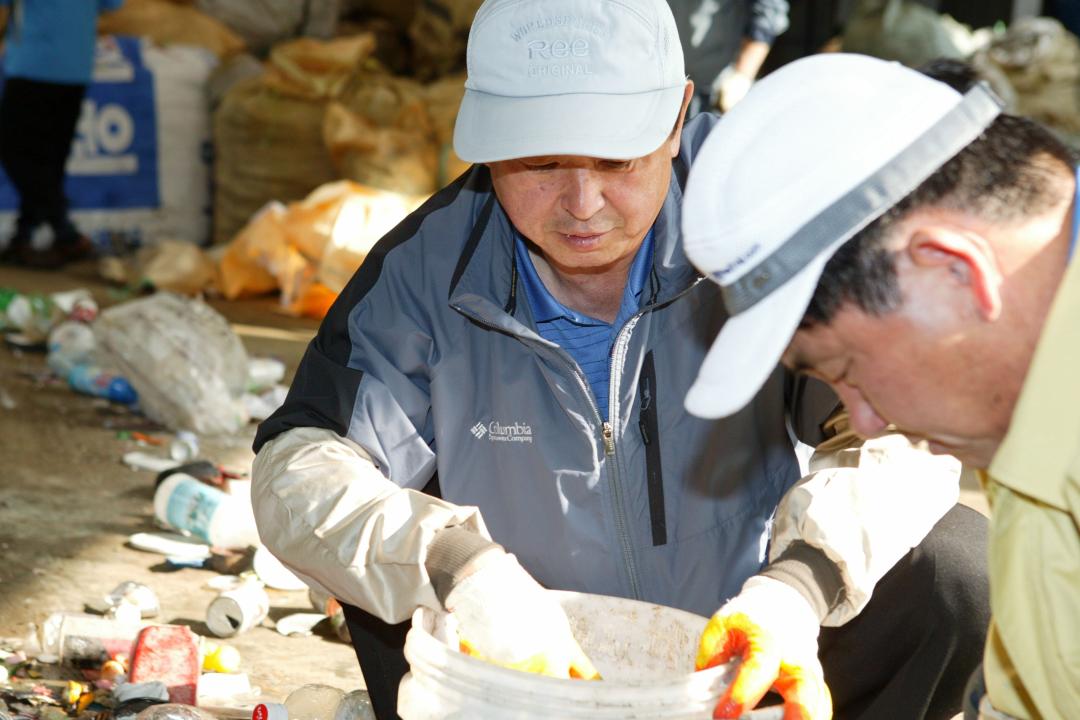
(868, 200)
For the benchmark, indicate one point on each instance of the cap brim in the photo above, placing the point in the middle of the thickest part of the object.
(749, 346)
(620, 127)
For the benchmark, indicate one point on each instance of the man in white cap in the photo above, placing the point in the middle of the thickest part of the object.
(520, 348)
(927, 273)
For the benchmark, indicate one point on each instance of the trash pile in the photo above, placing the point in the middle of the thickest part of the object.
(174, 359)
(1033, 64)
(116, 659)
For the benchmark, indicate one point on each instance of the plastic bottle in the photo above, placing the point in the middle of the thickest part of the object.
(216, 517)
(93, 380)
(318, 702)
(174, 711)
(82, 640)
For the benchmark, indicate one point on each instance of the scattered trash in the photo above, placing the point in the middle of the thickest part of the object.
(137, 460)
(318, 702)
(221, 659)
(230, 689)
(142, 597)
(264, 373)
(84, 641)
(299, 624)
(6, 401)
(263, 405)
(170, 544)
(274, 574)
(170, 654)
(184, 503)
(132, 698)
(174, 711)
(184, 447)
(238, 610)
(329, 606)
(202, 470)
(183, 359)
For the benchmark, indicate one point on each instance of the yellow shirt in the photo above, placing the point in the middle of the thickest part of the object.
(1032, 659)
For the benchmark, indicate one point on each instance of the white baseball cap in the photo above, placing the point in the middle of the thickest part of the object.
(600, 78)
(814, 153)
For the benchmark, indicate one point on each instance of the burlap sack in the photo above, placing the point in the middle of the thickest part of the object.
(169, 23)
(268, 131)
(439, 32)
(268, 146)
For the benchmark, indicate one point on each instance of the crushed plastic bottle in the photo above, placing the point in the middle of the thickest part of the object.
(174, 711)
(94, 380)
(72, 356)
(318, 702)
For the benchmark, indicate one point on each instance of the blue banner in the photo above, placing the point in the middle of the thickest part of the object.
(114, 157)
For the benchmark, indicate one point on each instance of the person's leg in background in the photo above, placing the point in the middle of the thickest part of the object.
(910, 653)
(59, 132)
(20, 155)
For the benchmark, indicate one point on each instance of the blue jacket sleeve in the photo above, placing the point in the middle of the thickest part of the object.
(768, 20)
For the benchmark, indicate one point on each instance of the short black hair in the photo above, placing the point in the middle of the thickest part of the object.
(1008, 173)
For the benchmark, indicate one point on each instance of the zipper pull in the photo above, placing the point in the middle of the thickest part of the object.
(609, 439)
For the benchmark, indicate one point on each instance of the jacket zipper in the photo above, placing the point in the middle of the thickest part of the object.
(618, 355)
(607, 429)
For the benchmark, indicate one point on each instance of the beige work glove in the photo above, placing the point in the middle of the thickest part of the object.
(772, 629)
(505, 617)
(729, 87)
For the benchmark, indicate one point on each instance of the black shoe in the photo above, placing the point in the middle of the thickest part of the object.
(14, 252)
(59, 254)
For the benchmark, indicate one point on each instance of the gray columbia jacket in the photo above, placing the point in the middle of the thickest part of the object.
(429, 367)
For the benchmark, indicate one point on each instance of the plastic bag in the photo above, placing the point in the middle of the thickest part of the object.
(187, 365)
(906, 31)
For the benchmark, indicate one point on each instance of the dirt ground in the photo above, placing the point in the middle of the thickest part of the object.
(68, 504)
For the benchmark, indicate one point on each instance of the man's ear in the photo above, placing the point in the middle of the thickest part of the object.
(967, 256)
(676, 132)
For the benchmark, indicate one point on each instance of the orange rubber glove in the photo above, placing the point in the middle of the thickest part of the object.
(505, 617)
(772, 629)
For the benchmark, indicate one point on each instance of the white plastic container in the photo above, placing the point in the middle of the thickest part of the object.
(238, 610)
(644, 652)
(192, 507)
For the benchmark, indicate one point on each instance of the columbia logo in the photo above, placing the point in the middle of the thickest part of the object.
(478, 430)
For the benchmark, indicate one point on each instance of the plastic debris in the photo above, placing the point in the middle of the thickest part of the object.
(184, 447)
(264, 373)
(226, 689)
(170, 654)
(140, 596)
(220, 658)
(171, 544)
(299, 624)
(237, 610)
(137, 460)
(274, 574)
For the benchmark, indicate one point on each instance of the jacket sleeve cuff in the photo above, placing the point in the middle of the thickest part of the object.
(454, 554)
(810, 572)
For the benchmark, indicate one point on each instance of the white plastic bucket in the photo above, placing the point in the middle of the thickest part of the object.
(644, 652)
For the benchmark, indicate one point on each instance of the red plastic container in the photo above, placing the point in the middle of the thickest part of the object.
(169, 653)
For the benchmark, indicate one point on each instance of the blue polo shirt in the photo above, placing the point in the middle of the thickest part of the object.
(53, 40)
(587, 339)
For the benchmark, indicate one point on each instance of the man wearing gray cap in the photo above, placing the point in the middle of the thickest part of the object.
(526, 339)
(928, 275)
